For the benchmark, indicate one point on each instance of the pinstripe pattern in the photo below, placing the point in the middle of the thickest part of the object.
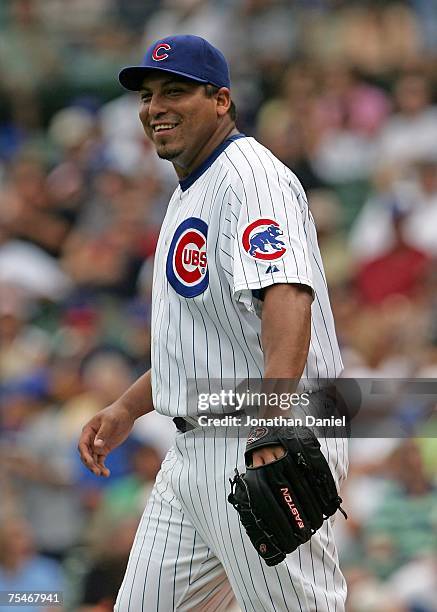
(217, 333)
(190, 552)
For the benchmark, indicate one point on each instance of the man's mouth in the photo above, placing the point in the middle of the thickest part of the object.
(163, 127)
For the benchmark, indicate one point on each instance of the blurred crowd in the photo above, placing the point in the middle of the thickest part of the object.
(345, 93)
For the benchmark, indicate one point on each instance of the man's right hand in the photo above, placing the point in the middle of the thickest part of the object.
(104, 432)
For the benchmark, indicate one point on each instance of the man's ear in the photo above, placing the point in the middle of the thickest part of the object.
(223, 97)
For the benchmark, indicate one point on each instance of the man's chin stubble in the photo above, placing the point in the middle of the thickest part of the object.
(168, 155)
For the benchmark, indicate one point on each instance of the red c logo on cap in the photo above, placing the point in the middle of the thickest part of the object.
(157, 49)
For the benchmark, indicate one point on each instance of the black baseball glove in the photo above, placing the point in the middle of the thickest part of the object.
(283, 503)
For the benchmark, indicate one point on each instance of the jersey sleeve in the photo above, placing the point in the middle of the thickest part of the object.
(268, 237)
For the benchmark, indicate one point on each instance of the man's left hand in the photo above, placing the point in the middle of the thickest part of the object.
(267, 454)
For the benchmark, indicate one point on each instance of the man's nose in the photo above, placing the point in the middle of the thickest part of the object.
(156, 105)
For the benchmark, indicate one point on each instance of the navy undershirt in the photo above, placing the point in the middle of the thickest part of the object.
(191, 178)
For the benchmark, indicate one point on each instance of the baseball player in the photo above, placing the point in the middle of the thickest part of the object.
(238, 293)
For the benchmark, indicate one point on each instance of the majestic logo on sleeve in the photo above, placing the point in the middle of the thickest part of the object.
(187, 266)
(264, 240)
(157, 54)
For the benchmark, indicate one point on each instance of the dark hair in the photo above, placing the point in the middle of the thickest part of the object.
(211, 90)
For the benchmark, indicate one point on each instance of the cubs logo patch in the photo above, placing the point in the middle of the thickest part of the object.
(187, 265)
(157, 54)
(264, 240)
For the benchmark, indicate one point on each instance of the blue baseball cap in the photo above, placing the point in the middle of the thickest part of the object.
(189, 56)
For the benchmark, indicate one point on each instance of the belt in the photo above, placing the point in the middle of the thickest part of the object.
(183, 425)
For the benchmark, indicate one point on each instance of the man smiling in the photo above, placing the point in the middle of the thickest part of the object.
(180, 117)
(229, 303)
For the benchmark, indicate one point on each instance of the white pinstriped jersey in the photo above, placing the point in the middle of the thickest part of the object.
(239, 223)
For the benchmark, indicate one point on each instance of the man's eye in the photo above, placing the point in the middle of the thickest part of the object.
(145, 97)
(174, 92)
